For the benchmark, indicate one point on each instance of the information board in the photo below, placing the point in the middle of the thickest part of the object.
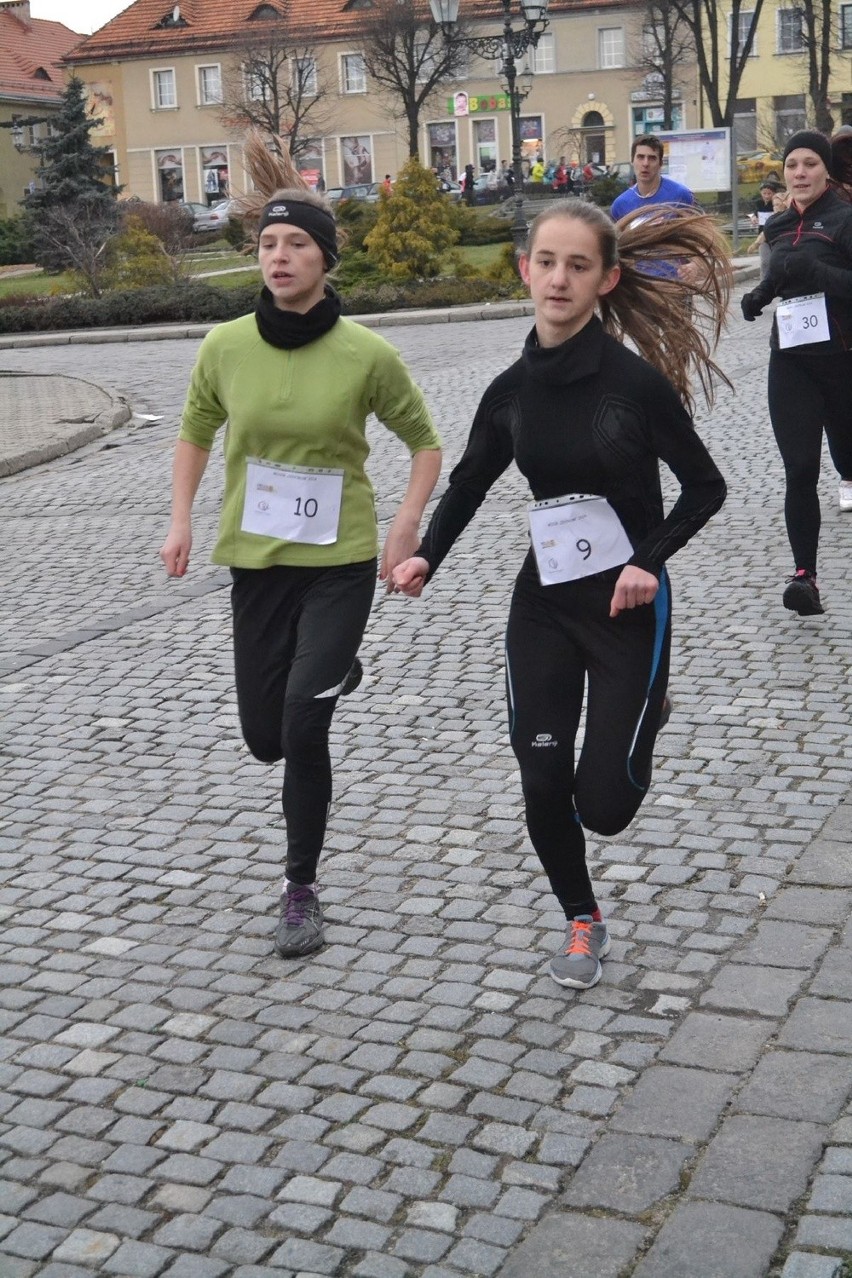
(699, 159)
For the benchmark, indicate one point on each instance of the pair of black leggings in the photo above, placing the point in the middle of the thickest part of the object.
(296, 634)
(560, 639)
(809, 391)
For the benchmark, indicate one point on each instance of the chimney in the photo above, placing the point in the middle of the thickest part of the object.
(19, 9)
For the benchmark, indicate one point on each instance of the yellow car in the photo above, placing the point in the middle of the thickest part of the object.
(757, 166)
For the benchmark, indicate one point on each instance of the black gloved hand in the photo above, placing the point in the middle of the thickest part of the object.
(749, 307)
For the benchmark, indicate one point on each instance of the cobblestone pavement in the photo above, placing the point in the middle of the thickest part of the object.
(44, 416)
(418, 1100)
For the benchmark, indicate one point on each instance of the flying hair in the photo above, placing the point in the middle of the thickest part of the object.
(273, 176)
(675, 325)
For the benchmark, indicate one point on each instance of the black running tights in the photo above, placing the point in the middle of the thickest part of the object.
(809, 392)
(296, 633)
(560, 639)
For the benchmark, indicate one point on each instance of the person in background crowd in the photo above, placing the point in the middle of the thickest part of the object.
(841, 161)
(296, 384)
(766, 203)
(810, 359)
(587, 421)
(652, 188)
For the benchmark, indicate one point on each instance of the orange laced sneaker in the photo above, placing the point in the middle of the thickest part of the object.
(578, 963)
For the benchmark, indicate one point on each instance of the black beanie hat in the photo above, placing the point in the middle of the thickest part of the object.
(811, 141)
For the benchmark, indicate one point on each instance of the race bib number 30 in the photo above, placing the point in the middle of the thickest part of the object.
(292, 503)
(802, 320)
(576, 536)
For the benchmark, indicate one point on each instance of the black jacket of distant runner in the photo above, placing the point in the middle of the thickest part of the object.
(811, 252)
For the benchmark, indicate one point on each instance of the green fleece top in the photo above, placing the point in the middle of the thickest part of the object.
(304, 407)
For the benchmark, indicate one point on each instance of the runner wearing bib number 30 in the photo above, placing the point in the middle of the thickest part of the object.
(298, 523)
(810, 361)
(587, 422)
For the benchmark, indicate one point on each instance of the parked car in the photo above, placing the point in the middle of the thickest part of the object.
(208, 219)
(757, 166)
(361, 191)
(623, 170)
(489, 188)
(452, 190)
(580, 179)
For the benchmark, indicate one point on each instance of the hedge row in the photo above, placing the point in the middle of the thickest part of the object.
(204, 304)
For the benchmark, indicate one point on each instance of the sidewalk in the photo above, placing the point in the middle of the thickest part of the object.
(418, 1099)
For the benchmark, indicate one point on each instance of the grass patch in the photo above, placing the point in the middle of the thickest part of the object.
(480, 256)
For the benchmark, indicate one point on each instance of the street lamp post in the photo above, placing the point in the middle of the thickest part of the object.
(509, 46)
(518, 88)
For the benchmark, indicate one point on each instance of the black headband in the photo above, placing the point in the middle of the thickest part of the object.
(308, 217)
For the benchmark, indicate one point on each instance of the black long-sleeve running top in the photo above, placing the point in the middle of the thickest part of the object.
(588, 416)
(811, 252)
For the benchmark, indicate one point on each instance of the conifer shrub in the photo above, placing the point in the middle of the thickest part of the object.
(414, 227)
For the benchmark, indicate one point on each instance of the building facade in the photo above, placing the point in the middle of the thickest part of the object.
(32, 77)
(160, 77)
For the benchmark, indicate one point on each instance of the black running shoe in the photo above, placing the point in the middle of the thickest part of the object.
(353, 678)
(802, 594)
(299, 929)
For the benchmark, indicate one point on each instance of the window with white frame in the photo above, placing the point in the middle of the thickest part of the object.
(746, 21)
(209, 85)
(164, 89)
(790, 35)
(353, 73)
(846, 26)
(544, 54)
(304, 76)
(610, 47)
(255, 83)
(790, 116)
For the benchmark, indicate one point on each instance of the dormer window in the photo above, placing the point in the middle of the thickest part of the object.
(357, 4)
(265, 12)
(40, 74)
(173, 19)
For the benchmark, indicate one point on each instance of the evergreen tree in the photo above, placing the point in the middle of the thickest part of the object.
(414, 227)
(73, 210)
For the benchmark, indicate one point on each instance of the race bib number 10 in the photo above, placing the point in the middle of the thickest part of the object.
(802, 320)
(292, 503)
(576, 536)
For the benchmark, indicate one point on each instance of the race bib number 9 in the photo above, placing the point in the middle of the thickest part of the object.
(802, 320)
(576, 536)
(292, 503)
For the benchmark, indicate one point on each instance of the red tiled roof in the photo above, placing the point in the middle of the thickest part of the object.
(212, 24)
(27, 48)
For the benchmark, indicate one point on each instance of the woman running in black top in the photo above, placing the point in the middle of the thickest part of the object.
(581, 414)
(810, 359)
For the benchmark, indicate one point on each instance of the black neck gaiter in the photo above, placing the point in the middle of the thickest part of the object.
(290, 329)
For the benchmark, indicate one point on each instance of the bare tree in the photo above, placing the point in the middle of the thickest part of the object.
(79, 234)
(722, 40)
(817, 40)
(407, 56)
(666, 45)
(273, 85)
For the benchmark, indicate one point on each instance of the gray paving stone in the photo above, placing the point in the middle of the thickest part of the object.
(798, 1085)
(717, 1042)
(628, 1173)
(758, 1162)
(801, 1264)
(569, 1241)
(669, 1101)
(707, 1240)
(767, 991)
(814, 1025)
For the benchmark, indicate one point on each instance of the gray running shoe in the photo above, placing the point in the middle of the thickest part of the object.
(299, 929)
(578, 963)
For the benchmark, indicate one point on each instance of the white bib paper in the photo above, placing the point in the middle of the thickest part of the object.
(802, 320)
(292, 503)
(575, 536)
(763, 218)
